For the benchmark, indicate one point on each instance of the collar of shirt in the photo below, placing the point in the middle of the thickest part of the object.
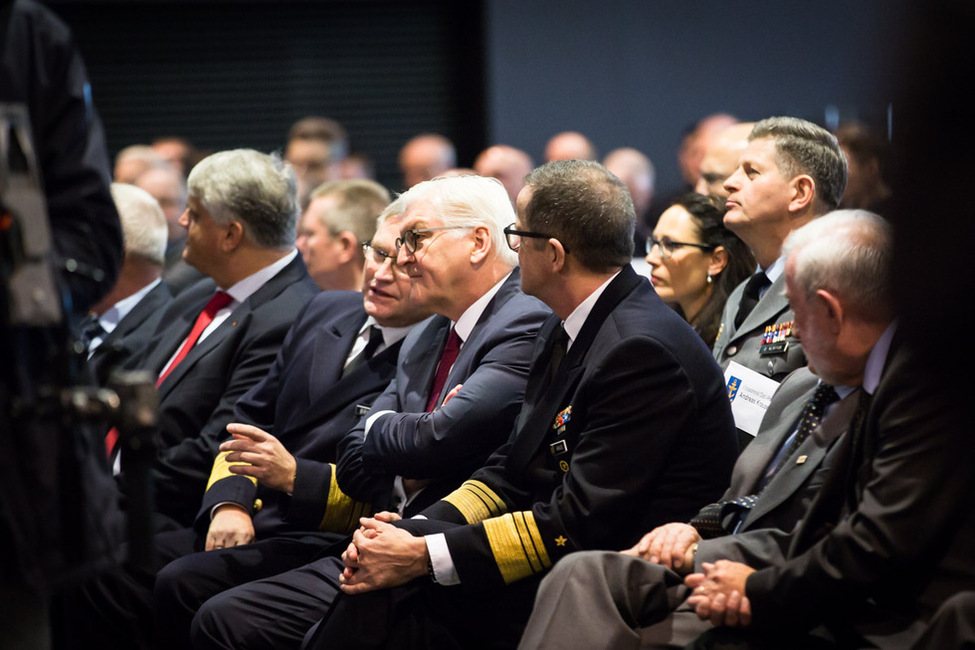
(465, 324)
(772, 273)
(114, 314)
(877, 359)
(573, 324)
(391, 335)
(246, 287)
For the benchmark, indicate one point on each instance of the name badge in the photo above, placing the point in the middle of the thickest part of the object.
(558, 448)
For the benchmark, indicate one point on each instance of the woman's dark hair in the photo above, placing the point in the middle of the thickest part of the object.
(708, 218)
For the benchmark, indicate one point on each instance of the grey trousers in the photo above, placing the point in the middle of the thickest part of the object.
(603, 599)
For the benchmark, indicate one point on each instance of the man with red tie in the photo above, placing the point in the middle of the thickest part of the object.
(459, 384)
(221, 335)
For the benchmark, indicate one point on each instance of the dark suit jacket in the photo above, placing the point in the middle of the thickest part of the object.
(449, 443)
(127, 342)
(196, 400)
(635, 430)
(309, 406)
(892, 524)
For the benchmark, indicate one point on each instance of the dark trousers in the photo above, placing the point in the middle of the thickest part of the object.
(421, 615)
(261, 595)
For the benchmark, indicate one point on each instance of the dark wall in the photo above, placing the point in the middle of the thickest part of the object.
(237, 74)
(635, 73)
(625, 72)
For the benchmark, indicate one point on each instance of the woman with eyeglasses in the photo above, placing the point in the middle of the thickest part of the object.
(696, 262)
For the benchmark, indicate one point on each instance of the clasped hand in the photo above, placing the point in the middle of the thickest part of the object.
(671, 545)
(382, 556)
(719, 593)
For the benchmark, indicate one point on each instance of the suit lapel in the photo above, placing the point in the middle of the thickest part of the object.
(328, 358)
(419, 365)
(269, 290)
(772, 303)
(535, 427)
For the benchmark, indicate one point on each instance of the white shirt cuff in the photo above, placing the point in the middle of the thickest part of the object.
(443, 565)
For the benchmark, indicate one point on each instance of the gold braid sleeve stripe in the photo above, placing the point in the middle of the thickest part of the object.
(221, 469)
(475, 501)
(517, 545)
(342, 512)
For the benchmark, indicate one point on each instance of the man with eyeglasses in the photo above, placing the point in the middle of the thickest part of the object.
(625, 423)
(268, 479)
(458, 387)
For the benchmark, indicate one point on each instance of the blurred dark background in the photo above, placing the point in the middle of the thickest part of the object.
(625, 73)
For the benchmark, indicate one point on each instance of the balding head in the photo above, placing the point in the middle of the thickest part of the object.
(570, 145)
(507, 164)
(425, 157)
(721, 158)
(698, 141)
(637, 173)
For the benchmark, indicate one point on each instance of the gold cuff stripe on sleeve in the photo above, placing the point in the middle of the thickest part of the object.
(475, 501)
(342, 512)
(517, 545)
(221, 469)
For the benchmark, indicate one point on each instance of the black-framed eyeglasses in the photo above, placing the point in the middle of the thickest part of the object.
(513, 237)
(410, 238)
(668, 246)
(379, 256)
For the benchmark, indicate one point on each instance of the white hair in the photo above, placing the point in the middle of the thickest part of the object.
(467, 200)
(143, 222)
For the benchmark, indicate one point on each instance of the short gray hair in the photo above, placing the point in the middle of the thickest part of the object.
(848, 252)
(466, 200)
(256, 188)
(143, 222)
(804, 148)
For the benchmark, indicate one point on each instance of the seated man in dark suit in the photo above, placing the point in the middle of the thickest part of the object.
(120, 324)
(339, 355)
(219, 337)
(458, 387)
(626, 424)
(888, 539)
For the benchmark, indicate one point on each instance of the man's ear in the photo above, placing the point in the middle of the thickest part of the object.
(834, 310)
(233, 236)
(803, 192)
(348, 247)
(557, 255)
(482, 244)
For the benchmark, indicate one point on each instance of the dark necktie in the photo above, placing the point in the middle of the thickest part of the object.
(559, 347)
(375, 340)
(447, 358)
(750, 296)
(710, 521)
(91, 329)
(219, 300)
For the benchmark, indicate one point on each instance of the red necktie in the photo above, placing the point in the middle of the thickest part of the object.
(219, 300)
(447, 359)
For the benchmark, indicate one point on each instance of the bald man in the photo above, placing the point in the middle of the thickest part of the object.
(570, 145)
(507, 164)
(425, 157)
(698, 141)
(721, 158)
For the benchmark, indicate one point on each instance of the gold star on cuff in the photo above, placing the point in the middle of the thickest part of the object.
(560, 541)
